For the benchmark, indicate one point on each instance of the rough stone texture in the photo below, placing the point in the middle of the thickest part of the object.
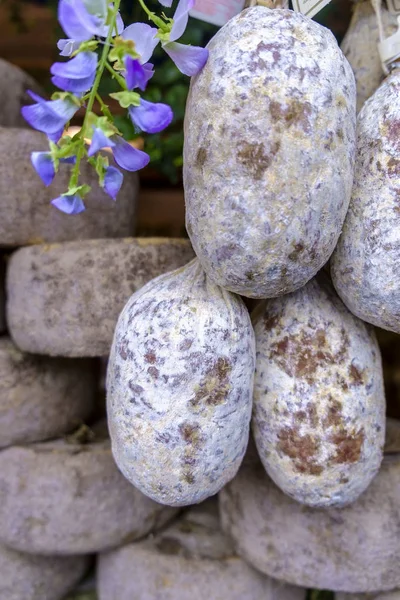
(191, 560)
(365, 267)
(65, 299)
(64, 497)
(269, 152)
(26, 577)
(378, 596)
(40, 397)
(360, 46)
(319, 402)
(352, 549)
(14, 84)
(28, 217)
(179, 387)
(2, 298)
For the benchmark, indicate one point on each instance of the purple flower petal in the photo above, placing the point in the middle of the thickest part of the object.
(112, 182)
(99, 141)
(77, 22)
(189, 59)
(71, 205)
(144, 37)
(151, 117)
(181, 18)
(135, 74)
(54, 136)
(67, 47)
(120, 24)
(149, 71)
(79, 67)
(166, 3)
(43, 166)
(76, 86)
(49, 116)
(128, 157)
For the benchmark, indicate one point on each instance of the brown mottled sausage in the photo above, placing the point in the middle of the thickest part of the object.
(179, 387)
(319, 405)
(365, 266)
(269, 152)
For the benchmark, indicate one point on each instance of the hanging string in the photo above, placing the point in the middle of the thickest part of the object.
(377, 6)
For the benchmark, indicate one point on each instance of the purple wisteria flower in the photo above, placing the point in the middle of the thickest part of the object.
(151, 117)
(81, 20)
(44, 166)
(144, 38)
(77, 75)
(125, 155)
(189, 59)
(71, 204)
(128, 157)
(49, 116)
(113, 180)
(136, 74)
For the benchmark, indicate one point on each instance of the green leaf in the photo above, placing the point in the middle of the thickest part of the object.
(102, 163)
(120, 50)
(66, 96)
(126, 98)
(89, 46)
(80, 190)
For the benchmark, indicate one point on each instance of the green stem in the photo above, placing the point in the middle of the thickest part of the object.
(146, 10)
(100, 70)
(104, 108)
(152, 16)
(116, 76)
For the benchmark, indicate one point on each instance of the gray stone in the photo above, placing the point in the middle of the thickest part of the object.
(269, 152)
(2, 299)
(27, 216)
(350, 549)
(64, 497)
(14, 84)
(191, 560)
(65, 299)
(42, 397)
(27, 577)
(395, 595)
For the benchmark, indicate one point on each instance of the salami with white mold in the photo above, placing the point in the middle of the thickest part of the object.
(269, 152)
(319, 405)
(365, 266)
(179, 387)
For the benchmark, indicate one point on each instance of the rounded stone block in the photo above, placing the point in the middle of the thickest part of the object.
(64, 497)
(2, 300)
(41, 397)
(26, 577)
(351, 549)
(27, 215)
(395, 595)
(191, 560)
(14, 84)
(74, 292)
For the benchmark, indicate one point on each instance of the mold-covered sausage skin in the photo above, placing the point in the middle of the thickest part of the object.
(366, 263)
(269, 152)
(319, 406)
(360, 47)
(179, 387)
